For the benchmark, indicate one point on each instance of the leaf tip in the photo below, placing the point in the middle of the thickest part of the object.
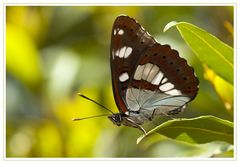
(169, 25)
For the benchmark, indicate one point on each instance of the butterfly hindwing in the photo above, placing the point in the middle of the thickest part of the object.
(161, 68)
(162, 83)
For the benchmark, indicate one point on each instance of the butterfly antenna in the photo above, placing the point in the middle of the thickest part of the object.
(79, 94)
(78, 119)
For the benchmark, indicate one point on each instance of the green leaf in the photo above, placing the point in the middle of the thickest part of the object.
(161, 146)
(222, 87)
(228, 153)
(209, 49)
(202, 129)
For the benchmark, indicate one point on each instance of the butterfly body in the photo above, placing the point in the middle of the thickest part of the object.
(148, 78)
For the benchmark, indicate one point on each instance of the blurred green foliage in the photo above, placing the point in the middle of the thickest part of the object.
(55, 52)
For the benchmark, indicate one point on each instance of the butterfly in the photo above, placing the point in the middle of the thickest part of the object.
(148, 79)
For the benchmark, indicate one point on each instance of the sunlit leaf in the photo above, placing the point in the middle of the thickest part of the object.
(202, 129)
(222, 87)
(158, 145)
(229, 153)
(209, 49)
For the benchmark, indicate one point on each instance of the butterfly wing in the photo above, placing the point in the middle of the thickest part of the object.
(128, 41)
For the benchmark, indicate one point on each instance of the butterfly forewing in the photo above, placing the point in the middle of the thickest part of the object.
(128, 41)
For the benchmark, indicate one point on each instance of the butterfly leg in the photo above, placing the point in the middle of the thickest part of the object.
(150, 118)
(131, 123)
(165, 114)
(175, 111)
(143, 130)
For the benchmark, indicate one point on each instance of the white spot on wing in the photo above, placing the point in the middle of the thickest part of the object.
(166, 87)
(139, 72)
(157, 78)
(123, 77)
(117, 53)
(128, 52)
(152, 73)
(164, 80)
(122, 51)
(146, 71)
(114, 32)
(120, 32)
(113, 54)
(174, 92)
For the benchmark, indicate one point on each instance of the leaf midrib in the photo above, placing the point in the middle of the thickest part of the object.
(200, 129)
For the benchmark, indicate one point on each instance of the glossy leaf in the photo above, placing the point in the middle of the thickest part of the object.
(195, 130)
(209, 49)
(158, 145)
